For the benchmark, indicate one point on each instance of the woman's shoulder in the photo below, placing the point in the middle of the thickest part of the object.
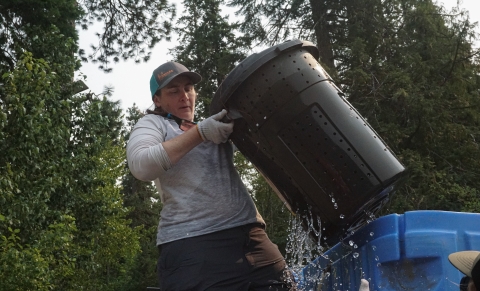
(153, 119)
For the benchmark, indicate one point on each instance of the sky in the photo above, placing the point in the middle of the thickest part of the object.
(131, 81)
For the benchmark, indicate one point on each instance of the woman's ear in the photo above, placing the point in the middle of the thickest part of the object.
(156, 100)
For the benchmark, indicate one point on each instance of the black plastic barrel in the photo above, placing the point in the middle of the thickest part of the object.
(315, 150)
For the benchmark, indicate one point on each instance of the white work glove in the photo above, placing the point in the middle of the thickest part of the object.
(213, 129)
(364, 286)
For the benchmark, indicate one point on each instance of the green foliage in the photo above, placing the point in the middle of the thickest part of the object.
(131, 28)
(63, 225)
(37, 266)
(210, 46)
(26, 24)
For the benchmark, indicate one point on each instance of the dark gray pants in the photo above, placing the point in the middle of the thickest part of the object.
(241, 258)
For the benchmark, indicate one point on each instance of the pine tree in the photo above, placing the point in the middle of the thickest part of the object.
(209, 45)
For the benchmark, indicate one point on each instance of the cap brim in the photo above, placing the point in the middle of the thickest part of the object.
(196, 78)
(464, 261)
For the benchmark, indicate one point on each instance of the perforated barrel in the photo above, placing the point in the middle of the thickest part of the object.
(315, 150)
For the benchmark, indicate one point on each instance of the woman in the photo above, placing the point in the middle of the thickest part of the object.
(210, 233)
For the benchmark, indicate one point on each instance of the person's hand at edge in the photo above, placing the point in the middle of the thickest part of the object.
(214, 130)
(364, 285)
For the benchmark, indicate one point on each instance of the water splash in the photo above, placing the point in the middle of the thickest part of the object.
(302, 249)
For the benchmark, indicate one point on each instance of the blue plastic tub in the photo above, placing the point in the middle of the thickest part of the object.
(398, 252)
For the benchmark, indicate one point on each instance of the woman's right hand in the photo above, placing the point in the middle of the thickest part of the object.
(214, 130)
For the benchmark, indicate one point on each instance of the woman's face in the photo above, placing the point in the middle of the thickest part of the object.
(178, 98)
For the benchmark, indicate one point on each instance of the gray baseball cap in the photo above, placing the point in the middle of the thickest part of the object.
(166, 72)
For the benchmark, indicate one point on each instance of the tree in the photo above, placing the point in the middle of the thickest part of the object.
(209, 45)
(130, 28)
(62, 222)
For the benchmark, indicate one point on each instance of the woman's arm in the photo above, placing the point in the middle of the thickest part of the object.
(179, 146)
(149, 155)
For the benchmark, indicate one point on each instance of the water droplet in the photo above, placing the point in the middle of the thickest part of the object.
(355, 255)
(335, 206)
(379, 264)
(342, 216)
(333, 200)
(376, 258)
(355, 246)
(350, 243)
(374, 248)
(371, 234)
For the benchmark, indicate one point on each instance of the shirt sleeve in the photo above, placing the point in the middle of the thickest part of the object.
(147, 159)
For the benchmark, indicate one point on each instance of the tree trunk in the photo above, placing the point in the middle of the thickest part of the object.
(324, 45)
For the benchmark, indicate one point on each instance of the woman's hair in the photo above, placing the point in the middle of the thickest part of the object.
(157, 110)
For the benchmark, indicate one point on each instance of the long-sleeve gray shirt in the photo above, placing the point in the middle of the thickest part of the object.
(202, 193)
